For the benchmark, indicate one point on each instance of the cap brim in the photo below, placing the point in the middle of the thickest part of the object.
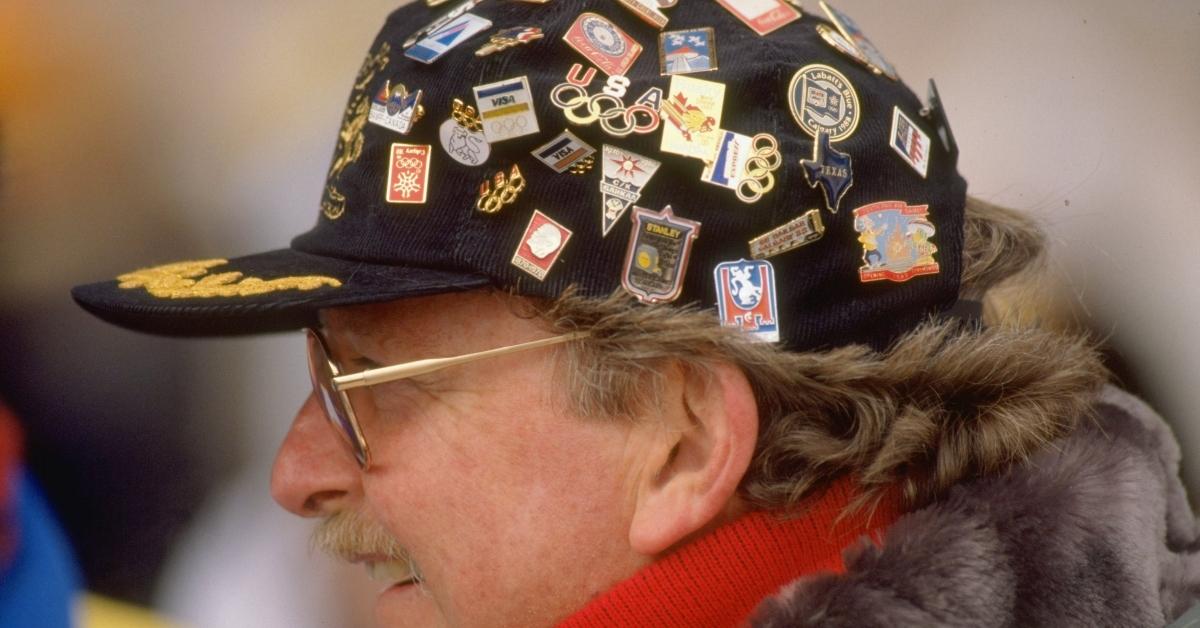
(275, 291)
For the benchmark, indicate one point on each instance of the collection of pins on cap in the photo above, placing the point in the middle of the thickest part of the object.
(894, 235)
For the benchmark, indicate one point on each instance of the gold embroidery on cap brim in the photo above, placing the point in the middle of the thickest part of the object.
(190, 280)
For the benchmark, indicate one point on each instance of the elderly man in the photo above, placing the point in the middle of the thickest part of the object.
(696, 344)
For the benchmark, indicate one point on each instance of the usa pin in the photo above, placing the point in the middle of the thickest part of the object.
(540, 246)
(762, 16)
(829, 168)
(603, 43)
(658, 253)
(789, 236)
(895, 240)
(910, 142)
(440, 41)
(462, 137)
(500, 191)
(693, 106)
(852, 32)
(506, 108)
(687, 51)
(393, 107)
(624, 175)
(408, 173)
(746, 298)
(562, 152)
(821, 98)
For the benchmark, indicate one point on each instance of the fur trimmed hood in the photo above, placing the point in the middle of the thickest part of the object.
(1093, 529)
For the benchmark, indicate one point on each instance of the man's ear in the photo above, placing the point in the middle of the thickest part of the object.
(708, 427)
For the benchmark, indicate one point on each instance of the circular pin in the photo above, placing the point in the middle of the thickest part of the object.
(467, 147)
(602, 34)
(821, 98)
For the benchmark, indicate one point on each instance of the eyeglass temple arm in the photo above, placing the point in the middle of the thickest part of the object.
(420, 367)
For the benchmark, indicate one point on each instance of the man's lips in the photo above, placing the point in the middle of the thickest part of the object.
(391, 572)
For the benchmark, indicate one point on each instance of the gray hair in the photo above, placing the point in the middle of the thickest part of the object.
(943, 402)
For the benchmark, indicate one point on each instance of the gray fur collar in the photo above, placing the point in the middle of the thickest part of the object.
(1092, 530)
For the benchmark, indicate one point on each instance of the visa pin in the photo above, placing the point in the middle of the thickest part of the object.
(506, 109)
(563, 152)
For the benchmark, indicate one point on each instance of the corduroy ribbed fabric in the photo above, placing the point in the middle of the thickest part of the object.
(722, 577)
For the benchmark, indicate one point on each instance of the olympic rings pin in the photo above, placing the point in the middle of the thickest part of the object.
(502, 190)
(760, 168)
(744, 164)
(606, 107)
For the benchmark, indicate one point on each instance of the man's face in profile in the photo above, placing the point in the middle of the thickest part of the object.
(512, 510)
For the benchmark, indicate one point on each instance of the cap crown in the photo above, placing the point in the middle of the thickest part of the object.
(822, 299)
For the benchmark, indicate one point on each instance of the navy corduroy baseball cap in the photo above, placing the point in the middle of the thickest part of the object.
(751, 157)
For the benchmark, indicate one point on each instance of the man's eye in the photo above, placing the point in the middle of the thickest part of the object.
(365, 364)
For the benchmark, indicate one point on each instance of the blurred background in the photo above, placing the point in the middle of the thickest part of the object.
(135, 133)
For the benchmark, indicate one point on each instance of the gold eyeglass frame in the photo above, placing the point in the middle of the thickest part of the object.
(341, 383)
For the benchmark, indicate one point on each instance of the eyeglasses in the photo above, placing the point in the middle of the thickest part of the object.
(330, 385)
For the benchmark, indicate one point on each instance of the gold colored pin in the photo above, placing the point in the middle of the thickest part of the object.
(500, 191)
(583, 166)
(465, 115)
(509, 37)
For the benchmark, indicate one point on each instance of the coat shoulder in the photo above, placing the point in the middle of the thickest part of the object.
(1093, 529)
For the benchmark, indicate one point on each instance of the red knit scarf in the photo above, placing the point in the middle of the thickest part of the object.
(721, 578)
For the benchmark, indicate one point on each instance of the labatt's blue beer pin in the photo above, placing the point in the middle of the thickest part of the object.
(658, 253)
(824, 104)
(746, 298)
(895, 238)
(506, 108)
(625, 173)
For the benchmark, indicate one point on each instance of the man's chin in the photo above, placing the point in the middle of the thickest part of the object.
(404, 605)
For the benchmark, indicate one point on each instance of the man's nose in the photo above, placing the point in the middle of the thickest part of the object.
(314, 475)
